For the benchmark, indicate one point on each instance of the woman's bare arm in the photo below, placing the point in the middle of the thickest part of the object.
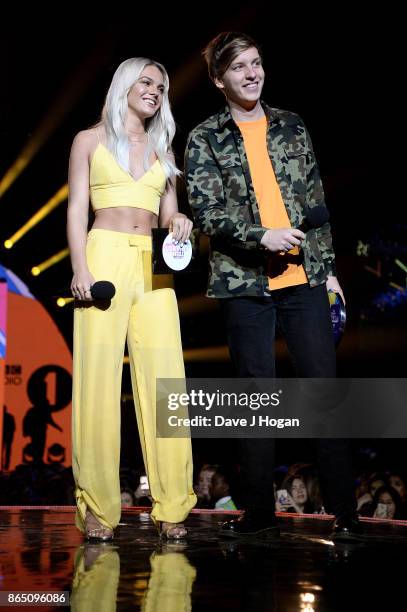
(78, 210)
(177, 222)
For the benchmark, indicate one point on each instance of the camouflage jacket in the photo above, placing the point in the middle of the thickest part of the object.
(224, 205)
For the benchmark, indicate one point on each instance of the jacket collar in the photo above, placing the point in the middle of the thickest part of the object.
(225, 116)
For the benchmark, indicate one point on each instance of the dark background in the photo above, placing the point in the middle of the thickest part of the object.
(335, 68)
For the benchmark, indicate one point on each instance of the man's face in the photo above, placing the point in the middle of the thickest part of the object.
(243, 81)
(218, 487)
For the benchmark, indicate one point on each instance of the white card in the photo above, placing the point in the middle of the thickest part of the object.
(176, 256)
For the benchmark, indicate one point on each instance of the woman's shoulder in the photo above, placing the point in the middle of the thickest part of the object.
(90, 138)
(86, 142)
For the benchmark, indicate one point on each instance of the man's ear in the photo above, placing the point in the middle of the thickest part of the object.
(219, 83)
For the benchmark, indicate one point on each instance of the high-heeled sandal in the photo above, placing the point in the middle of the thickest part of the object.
(171, 531)
(97, 534)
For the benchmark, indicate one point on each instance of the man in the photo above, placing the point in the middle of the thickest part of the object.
(220, 489)
(251, 177)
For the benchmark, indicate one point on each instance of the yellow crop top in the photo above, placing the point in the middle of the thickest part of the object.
(111, 186)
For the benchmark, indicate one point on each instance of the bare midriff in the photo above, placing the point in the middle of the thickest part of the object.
(125, 219)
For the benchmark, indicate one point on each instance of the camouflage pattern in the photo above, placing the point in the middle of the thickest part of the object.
(224, 205)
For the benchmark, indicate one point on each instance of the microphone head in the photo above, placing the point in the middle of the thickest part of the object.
(317, 216)
(102, 290)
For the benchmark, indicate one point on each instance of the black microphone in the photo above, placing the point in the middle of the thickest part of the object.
(102, 290)
(314, 217)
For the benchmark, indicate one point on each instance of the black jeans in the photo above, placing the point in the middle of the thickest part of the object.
(303, 315)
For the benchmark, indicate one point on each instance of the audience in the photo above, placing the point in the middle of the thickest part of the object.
(379, 494)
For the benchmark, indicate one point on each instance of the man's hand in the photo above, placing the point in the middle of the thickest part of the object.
(333, 285)
(284, 239)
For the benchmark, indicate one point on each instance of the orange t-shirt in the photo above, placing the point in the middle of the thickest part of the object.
(284, 270)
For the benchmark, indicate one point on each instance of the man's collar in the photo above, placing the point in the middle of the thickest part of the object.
(225, 116)
(223, 500)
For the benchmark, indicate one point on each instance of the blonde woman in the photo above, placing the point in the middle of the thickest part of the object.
(125, 167)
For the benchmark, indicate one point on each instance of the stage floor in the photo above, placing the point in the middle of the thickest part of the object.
(41, 550)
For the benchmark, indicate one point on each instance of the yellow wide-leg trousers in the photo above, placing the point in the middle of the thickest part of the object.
(95, 587)
(150, 322)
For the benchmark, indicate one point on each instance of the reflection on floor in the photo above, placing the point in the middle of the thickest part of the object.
(41, 550)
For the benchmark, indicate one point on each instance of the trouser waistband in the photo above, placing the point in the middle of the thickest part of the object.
(114, 237)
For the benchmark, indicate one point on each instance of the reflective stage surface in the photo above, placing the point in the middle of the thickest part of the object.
(41, 550)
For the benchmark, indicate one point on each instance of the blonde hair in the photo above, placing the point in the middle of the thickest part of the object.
(160, 128)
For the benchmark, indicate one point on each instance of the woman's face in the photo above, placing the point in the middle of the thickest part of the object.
(146, 95)
(204, 480)
(299, 491)
(127, 501)
(385, 498)
(376, 484)
(398, 484)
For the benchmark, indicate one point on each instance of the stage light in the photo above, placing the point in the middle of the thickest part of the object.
(43, 212)
(61, 302)
(36, 270)
(401, 265)
(307, 601)
(8, 244)
(72, 90)
(308, 597)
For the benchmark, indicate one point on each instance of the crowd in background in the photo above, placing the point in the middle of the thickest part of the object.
(297, 489)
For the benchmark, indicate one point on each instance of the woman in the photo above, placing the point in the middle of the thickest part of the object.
(126, 166)
(297, 499)
(202, 485)
(386, 503)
